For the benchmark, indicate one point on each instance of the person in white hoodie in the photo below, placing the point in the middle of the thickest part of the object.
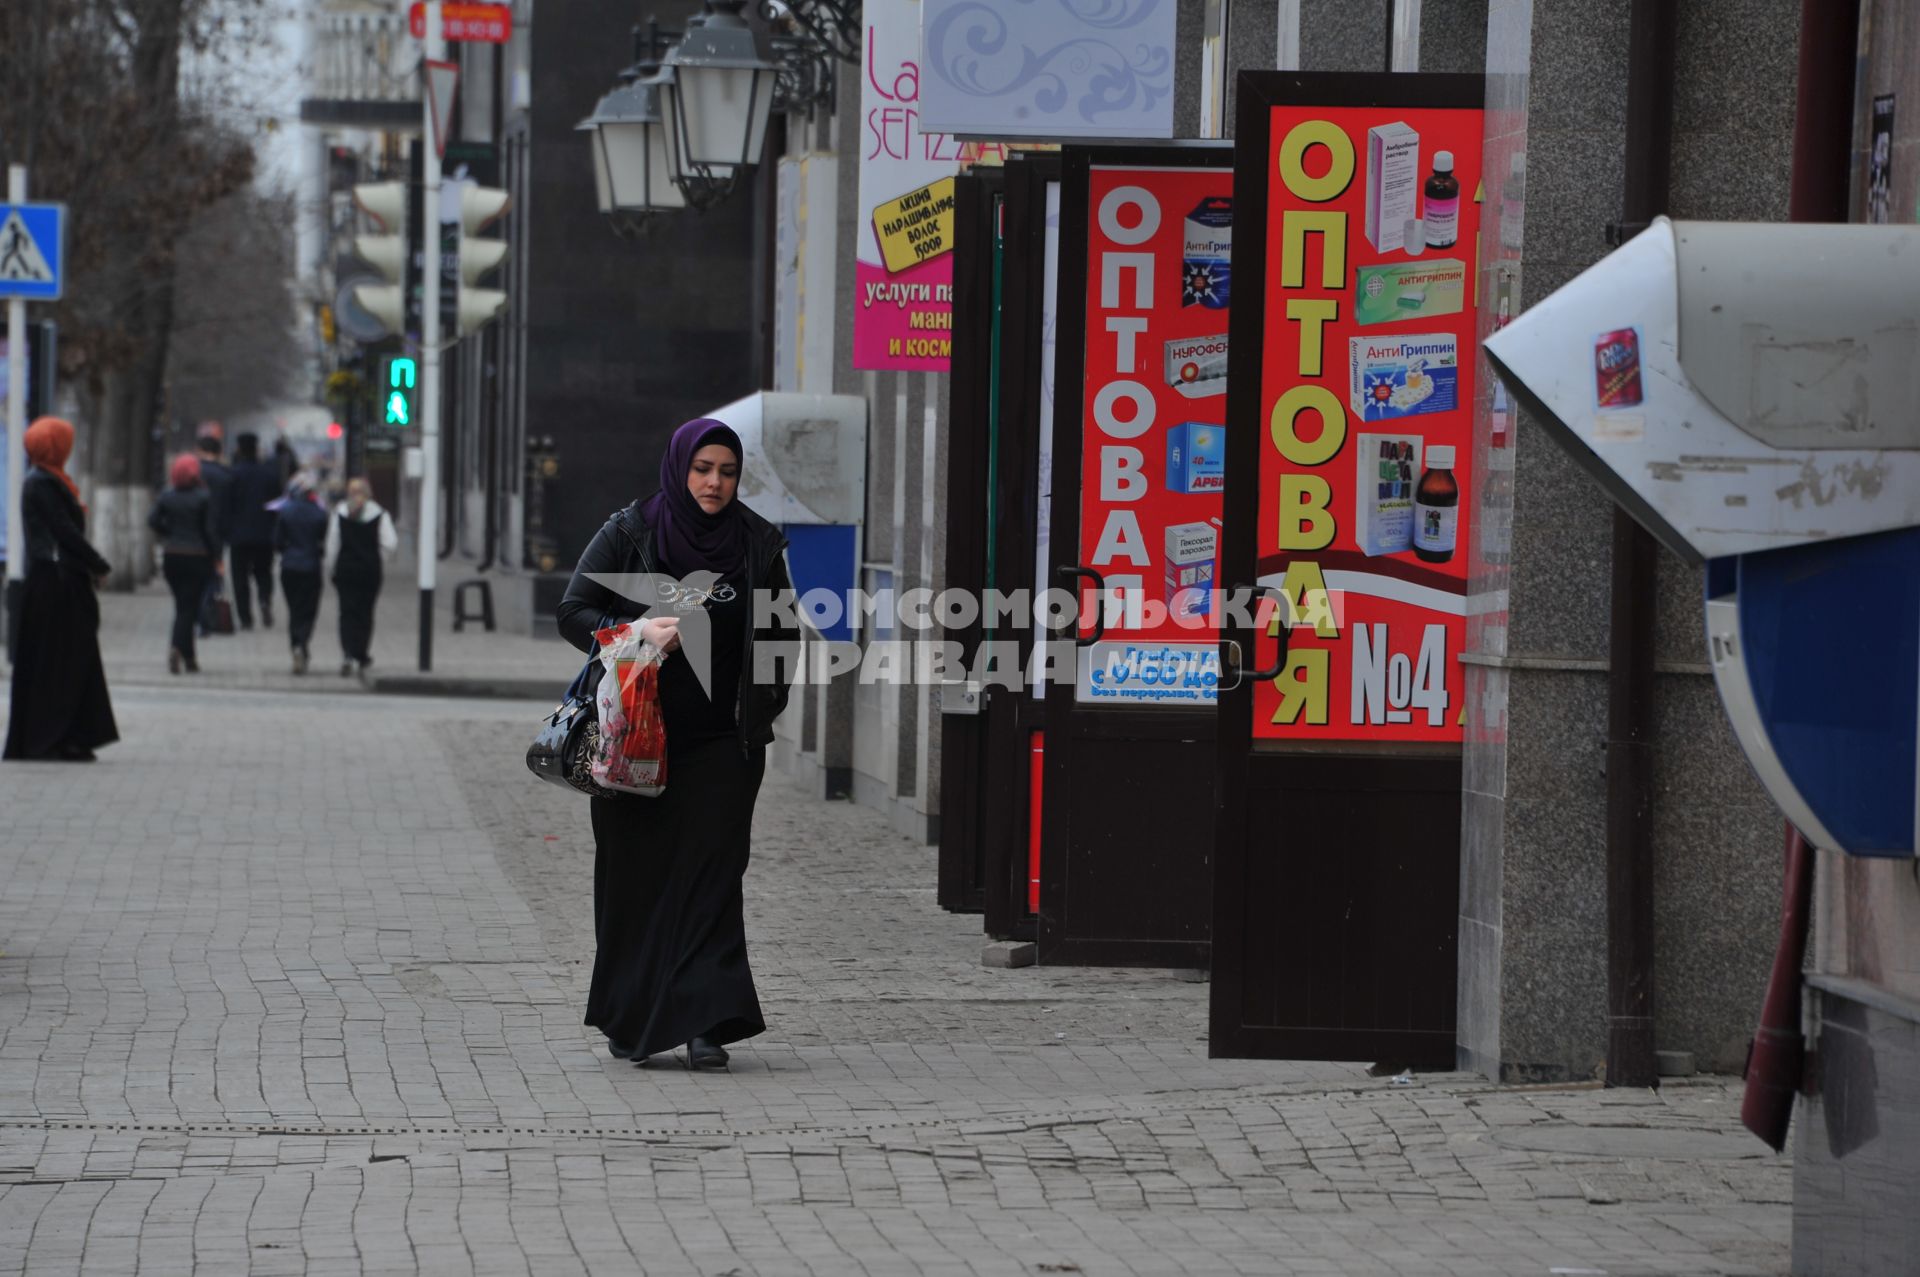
(360, 539)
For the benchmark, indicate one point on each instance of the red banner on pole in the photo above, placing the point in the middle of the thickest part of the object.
(486, 23)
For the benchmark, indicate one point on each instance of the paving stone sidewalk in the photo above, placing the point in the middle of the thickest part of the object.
(294, 983)
(135, 629)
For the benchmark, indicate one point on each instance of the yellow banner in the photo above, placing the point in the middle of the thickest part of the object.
(917, 227)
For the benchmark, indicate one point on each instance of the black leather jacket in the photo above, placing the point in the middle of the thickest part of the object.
(624, 544)
(185, 521)
(51, 518)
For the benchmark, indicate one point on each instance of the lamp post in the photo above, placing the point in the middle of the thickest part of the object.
(628, 138)
(716, 94)
(682, 124)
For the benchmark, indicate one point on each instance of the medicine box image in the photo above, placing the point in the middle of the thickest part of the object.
(1383, 492)
(1425, 289)
(1403, 376)
(1393, 184)
(1197, 366)
(1189, 564)
(1206, 254)
(1196, 457)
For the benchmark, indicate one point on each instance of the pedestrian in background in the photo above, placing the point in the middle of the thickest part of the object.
(60, 706)
(284, 459)
(211, 443)
(250, 534)
(670, 967)
(183, 518)
(360, 539)
(300, 535)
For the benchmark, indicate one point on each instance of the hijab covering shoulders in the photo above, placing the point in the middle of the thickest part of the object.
(687, 537)
(49, 442)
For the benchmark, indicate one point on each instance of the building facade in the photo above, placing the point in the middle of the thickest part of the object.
(558, 414)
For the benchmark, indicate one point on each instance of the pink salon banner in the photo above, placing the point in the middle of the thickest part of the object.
(903, 281)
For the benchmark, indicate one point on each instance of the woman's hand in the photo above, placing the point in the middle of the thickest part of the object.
(662, 631)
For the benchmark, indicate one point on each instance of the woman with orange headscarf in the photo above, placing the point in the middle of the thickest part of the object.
(188, 527)
(60, 706)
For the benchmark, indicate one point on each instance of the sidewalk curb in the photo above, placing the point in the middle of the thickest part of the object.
(458, 686)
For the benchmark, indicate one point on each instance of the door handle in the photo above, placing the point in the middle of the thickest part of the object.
(1068, 574)
(1230, 654)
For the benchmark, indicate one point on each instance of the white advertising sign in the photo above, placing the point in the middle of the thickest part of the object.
(1122, 673)
(1048, 69)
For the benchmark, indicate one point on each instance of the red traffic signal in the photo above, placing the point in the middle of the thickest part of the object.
(335, 430)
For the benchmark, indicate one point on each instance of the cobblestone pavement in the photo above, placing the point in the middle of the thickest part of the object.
(293, 984)
(135, 630)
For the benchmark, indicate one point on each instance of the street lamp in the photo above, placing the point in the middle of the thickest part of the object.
(602, 184)
(628, 141)
(630, 150)
(716, 93)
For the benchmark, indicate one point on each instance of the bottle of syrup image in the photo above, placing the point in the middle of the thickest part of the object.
(1441, 216)
(1436, 507)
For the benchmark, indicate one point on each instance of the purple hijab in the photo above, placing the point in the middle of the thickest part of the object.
(687, 537)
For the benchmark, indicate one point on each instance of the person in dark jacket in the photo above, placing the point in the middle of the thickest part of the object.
(671, 962)
(360, 539)
(284, 460)
(211, 442)
(60, 706)
(183, 518)
(300, 535)
(256, 483)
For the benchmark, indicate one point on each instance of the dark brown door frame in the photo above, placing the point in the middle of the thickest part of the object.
(963, 750)
(1126, 858)
(1336, 889)
(1012, 716)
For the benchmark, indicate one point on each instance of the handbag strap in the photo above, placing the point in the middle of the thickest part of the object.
(587, 679)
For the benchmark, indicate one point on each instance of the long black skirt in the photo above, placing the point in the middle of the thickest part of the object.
(60, 700)
(667, 913)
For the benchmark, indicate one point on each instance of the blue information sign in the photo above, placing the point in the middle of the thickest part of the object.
(32, 248)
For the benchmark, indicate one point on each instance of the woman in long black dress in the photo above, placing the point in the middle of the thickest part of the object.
(60, 707)
(671, 966)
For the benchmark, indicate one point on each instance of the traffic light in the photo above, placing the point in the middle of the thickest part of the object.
(386, 203)
(480, 207)
(398, 387)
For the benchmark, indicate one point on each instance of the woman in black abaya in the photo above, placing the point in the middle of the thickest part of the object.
(671, 965)
(60, 712)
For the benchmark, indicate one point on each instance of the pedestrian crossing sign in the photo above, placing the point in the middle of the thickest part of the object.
(32, 243)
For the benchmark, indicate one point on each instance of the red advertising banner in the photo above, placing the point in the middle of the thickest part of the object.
(1153, 427)
(485, 23)
(1366, 405)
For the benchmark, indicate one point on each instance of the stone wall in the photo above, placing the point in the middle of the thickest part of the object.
(1533, 940)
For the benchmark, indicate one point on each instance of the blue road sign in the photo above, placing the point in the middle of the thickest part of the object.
(32, 248)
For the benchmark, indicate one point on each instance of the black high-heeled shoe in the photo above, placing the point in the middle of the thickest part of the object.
(702, 1054)
(622, 1050)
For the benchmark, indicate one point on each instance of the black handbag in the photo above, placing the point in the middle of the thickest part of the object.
(216, 613)
(562, 749)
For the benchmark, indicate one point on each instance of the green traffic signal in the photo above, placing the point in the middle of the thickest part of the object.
(401, 374)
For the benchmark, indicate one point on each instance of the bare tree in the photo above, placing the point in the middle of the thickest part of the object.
(234, 345)
(93, 105)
